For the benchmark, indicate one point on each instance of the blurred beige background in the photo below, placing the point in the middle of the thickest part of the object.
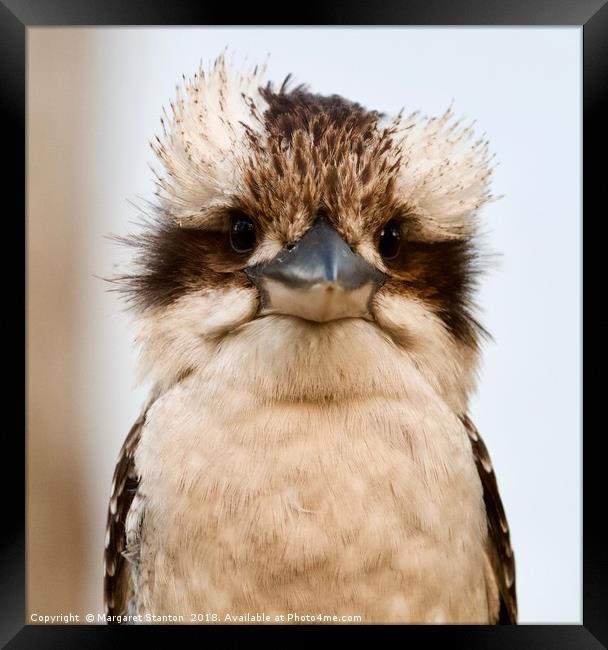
(80, 365)
(94, 102)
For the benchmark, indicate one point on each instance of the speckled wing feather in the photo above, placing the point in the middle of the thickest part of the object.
(117, 582)
(499, 551)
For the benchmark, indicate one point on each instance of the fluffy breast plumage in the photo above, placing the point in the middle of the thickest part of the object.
(367, 504)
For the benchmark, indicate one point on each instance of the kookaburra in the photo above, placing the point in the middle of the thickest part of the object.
(303, 310)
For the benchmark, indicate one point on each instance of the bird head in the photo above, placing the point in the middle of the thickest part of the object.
(310, 231)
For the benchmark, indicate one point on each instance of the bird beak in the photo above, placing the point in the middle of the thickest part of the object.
(319, 278)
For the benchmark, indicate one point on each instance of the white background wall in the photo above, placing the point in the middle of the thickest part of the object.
(94, 101)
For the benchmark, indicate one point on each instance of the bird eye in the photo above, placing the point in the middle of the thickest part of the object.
(390, 240)
(242, 233)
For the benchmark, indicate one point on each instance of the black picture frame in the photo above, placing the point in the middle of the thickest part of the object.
(16, 16)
